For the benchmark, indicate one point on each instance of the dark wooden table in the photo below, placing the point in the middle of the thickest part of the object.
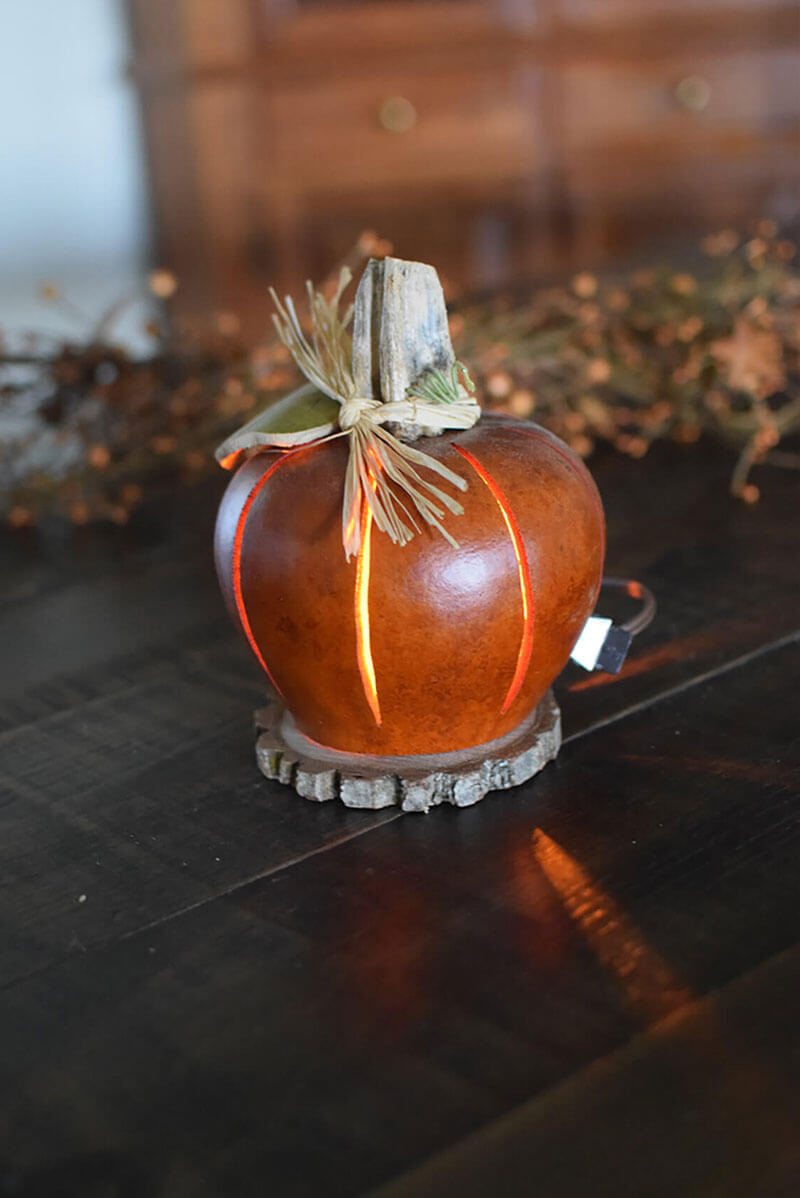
(589, 985)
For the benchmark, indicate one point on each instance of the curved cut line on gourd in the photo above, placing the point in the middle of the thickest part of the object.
(237, 563)
(526, 590)
(366, 666)
(596, 503)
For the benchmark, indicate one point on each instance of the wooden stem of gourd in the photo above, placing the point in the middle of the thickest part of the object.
(400, 331)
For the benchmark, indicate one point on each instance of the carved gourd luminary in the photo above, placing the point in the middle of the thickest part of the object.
(411, 575)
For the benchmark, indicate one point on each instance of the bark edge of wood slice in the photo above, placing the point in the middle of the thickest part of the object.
(413, 783)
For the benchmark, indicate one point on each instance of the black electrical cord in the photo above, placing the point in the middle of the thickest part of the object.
(604, 644)
(635, 590)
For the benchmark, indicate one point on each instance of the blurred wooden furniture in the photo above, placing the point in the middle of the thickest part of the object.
(501, 138)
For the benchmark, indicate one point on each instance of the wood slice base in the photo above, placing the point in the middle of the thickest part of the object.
(415, 783)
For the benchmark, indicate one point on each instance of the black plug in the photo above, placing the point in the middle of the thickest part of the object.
(615, 650)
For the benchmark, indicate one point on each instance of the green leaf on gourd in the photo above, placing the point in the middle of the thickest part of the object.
(304, 415)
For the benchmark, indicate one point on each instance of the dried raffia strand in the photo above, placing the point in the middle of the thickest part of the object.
(377, 458)
(326, 360)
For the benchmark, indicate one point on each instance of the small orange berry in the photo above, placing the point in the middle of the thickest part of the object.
(130, 494)
(20, 517)
(521, 402)
(228, 324)
(683, 284)
(499, 384)
(598, 370)
(584, 285)
(716, 245)
(163, 444)
(582, 445)
(79, 513)
(163, 283)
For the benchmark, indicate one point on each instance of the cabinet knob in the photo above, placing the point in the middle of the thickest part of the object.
(397, 114)
(693, 93)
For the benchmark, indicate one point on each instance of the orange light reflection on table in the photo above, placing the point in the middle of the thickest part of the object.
(647, 981)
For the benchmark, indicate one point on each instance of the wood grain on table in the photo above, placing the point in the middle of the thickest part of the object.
(212, 987)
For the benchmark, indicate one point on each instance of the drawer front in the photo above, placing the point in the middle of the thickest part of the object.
(450, 127)
(610, 12)
(681, 97)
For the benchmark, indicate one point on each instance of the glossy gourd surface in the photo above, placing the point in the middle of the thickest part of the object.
(459, 644)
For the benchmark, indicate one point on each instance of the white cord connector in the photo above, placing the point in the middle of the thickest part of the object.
(590, 642)
(603, 645)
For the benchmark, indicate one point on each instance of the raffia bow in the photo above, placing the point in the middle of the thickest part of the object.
(382, 469)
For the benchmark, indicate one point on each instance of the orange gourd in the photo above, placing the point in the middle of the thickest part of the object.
(419, 648)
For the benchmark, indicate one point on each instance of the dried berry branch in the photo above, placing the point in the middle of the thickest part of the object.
(659, 354)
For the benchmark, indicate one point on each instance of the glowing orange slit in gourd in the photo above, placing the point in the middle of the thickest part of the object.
(366, 666)
(568, 457)
(237, 564)
(230, 460)
(526, 643)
